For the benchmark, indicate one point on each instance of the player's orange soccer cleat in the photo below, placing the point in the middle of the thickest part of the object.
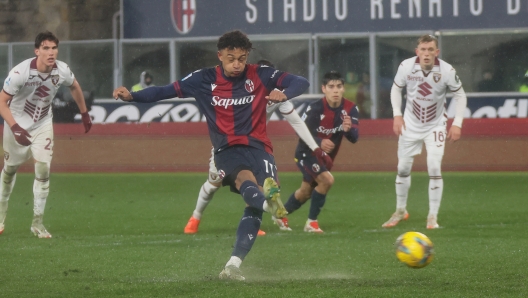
(192, 226)
(261, 233)
(312, 227)
(1, 228)
(431, 222)
(282, 223)
(396, 218)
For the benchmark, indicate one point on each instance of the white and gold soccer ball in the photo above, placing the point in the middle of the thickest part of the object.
(414, 249)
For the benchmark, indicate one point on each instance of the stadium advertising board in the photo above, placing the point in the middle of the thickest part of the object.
(111, 111)
(194, 18)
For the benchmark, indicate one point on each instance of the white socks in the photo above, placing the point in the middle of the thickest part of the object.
(436, 187)
(40, 192)
(402, 191)
(235, 261)
(204, 198)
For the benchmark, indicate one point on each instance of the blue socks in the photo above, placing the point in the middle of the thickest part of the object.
(252, 195)
(247, 231)
(292, 204)
(318, 201)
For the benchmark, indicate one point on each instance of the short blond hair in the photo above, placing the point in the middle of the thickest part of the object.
(427, 38)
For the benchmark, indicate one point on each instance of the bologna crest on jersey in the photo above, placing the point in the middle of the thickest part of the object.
(316, 168)
(343, 114)
(249, 85)
(183, 14)
(437, 77)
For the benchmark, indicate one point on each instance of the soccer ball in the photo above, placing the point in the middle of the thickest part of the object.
(414, 249)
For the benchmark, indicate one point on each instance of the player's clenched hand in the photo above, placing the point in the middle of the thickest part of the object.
(399, 125)
(347, 123)
(454, 133)
(327, 145)
(323, 158)
(87, 121)
(21, 135)
(123, 94)
(276, 96)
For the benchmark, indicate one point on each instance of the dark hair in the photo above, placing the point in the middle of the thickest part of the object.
(46, 35)
(332, 76)
(234, 39)
(427, 38)
(265, 62)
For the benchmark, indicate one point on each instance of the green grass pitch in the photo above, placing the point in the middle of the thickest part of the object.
(121, 235)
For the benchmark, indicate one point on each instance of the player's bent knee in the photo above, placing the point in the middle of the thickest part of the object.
(405, 166)
(10, 170)
(42, 170)
(434, 165)
(214, 179)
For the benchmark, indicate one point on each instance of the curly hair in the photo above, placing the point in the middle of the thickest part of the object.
(234, 39)
(46, 35)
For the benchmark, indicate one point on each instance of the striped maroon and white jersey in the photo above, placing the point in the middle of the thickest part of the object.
(426, 93)
(33, 92)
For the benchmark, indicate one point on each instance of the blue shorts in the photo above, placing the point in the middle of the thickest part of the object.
(232, 160)
(309, 167)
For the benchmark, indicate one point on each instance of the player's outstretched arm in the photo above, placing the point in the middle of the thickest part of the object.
(147, 95)
(78, 96)
(122, 93)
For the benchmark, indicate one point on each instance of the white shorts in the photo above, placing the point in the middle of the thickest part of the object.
(41, 147)
(213, 171)
(410, 144)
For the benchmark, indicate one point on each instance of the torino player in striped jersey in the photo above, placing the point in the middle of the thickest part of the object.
(25, 105)
(427, 80)
(213, 182)
(233, 97)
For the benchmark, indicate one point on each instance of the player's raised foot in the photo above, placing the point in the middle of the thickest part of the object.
(399, 215)
(312, 227)
(261, 233)
(192, 226)
(231, 272)
(272, 194)
(282, 223)
(431, 222)
(40, 231)
(1, 228)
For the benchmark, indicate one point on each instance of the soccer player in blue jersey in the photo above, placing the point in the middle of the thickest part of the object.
(233, 97)
(214, 182)
(329, 120)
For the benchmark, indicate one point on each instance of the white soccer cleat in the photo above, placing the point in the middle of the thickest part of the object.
(312, 227)
(231, 272)
(399, 215)
(282, 223)
(40, 231)
(431, 222)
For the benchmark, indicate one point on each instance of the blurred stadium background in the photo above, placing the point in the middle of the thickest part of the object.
(109, 43)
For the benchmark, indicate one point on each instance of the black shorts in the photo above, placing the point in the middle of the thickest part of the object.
(309, 167)
(231, 161)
